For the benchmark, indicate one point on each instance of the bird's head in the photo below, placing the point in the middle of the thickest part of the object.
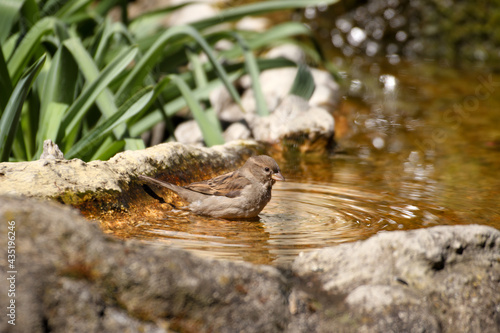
(264, 168)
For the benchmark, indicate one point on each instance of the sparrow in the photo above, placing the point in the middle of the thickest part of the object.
(239, 194)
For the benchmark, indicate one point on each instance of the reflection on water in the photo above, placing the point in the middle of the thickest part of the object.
(303, 214)
(408, 159)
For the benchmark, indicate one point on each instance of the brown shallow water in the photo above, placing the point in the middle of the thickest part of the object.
(419, 147)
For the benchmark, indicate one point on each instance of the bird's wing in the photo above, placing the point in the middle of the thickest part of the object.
(229, 185)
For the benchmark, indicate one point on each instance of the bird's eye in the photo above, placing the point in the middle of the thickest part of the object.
(267, 169)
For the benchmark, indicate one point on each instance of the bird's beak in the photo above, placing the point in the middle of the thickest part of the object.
(278, 176)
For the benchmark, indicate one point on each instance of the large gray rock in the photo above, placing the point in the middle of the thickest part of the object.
(443, 278)
(73, 278)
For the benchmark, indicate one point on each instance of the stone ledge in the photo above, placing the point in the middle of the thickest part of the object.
(76, 182)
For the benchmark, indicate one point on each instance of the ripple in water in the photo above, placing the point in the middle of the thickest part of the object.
(300, 217)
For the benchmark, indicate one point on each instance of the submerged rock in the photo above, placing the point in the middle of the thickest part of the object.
(74, 278)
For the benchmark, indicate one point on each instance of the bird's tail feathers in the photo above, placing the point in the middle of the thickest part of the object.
(157, 182)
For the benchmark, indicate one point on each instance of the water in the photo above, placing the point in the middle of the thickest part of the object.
(408, 158)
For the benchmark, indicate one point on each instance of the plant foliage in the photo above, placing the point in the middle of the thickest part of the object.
(92, 85)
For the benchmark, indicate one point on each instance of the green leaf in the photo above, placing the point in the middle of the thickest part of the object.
(50, 125)
(9, 13)
(10, 117)
(30, 12)
(104, 6)
(257, 8)
(71, 7)
(28, 46)
(128, 110)
(104, 38)
(197, 67)
(90, 71)
(137, 75)
(176, 104)
(211, 134)
(29, 121)
(278, 34)
(9, 46)
(19, 147)
(172, 107)
(52, 6)
(108, 148)
(303, 84)
(82, 104)
(5, 84)
(134, 144)
(253, 70)
(58, 89)
(161, 11)
(106, 35)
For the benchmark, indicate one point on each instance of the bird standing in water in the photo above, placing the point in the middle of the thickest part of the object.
(235, 195)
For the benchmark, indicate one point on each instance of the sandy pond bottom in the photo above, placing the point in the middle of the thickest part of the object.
(408, 159)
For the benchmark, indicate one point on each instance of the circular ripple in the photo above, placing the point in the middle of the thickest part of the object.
(300, 217)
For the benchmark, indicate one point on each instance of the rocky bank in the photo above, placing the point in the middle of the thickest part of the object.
(73, 278)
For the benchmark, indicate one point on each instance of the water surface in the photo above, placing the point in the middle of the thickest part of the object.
(419, 146)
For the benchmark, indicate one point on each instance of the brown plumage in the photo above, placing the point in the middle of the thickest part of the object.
(235, 195)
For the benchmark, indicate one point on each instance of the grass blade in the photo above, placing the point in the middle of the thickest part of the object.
(81, 105)
(51, 124)
(10, 117)
(28, 46)
(30, 12)
(161, 11)
(303, 84)
(147, 122)
(71, 7)
(50, 7)
(149, 59)
(253, 70)
(5, 84)
(29, 120)
(90, 71)
(58, 89)
(134, 144)
(9, 13)
(200, 76)
(107, 149)
(128, 110)
(258, 8)
(176, 104)
(211, 134)
(276, 35)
